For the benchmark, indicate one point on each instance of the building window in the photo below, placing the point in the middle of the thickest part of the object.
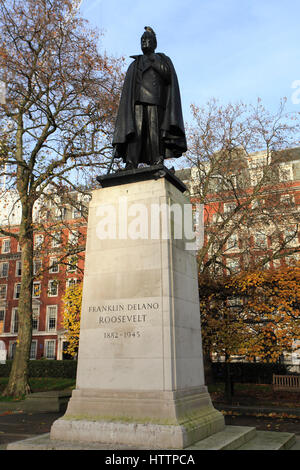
(54, 266)
(35, 317)
(73, 237)
(6, 245)
(2, 317)
(33, 349)
(4, 269)
(291, 237)
(51, 317)
(14, 321)
(18, 268)
(38, 241)
(287, 199)
(36, 289)
(37, 266)
(50, 349)
(232, 242)
(229, 207)
(260, 240)
(12, 349)
(233, 264)
(17, 291)
(56, 240)
(285, 172)
(3, 291)
(53, 288)
(72, 263)
(71, 282)
(77, 212)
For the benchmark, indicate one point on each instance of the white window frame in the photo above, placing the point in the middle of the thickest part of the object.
(12, 349)
(233, 264)
(14, 321)
(5, 263)
(18, 268)
(46, 346)
(295, 241)
(285, 172)
(2, 318)
(232, 243)
(17, 290)
(53, 266)
(287, 198)
(3, 291)
(77, 213)
(38, 241)
(35, 317)
(56, 240)
(260, 240)
(229, 207)
(33, 349)
(50, 283)
(5, 248)
(73, 237)
(33, 290)
(49, 315)
(71, 281)
(72, 268)
(35, 270)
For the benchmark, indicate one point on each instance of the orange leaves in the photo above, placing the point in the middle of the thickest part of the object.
(71, 319)
(266, 321)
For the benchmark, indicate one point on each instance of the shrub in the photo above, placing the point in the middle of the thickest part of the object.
(45, 368)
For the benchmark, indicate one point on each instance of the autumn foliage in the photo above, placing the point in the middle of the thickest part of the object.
(71, 317)
(255, 314)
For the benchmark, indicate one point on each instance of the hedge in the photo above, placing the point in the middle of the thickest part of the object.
(248, 372)
(45, 368)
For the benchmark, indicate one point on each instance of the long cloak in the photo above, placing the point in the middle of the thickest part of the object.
(172, 127)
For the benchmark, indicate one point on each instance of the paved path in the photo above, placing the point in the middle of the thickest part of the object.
(16, 426)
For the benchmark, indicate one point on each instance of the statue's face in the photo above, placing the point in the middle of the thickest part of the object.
(147, 43)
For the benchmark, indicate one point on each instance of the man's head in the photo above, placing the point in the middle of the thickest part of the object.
(148, 40)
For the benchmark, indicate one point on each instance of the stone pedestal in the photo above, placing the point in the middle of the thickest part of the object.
(140, 374)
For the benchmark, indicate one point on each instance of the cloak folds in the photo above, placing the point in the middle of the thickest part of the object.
(172, 127)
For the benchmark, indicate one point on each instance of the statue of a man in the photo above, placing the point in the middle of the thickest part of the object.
(149, 126)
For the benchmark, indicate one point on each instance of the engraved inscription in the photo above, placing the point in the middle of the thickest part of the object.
(122, 314)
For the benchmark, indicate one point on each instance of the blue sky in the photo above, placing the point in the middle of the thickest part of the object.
(232, 50)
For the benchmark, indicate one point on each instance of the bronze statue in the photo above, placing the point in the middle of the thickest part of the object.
(149, 126)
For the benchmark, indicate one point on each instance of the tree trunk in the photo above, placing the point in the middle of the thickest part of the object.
(18, 380)
(228, 380)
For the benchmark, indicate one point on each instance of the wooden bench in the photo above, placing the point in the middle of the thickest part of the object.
(286, 382)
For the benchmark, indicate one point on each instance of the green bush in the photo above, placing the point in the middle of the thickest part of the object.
(45, 368)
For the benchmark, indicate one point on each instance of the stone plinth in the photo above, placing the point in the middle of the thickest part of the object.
(140, 366)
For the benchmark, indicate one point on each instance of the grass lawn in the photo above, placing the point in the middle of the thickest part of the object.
(255, 394)
(42, 384)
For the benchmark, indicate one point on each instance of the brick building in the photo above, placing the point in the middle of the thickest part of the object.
(58, 262)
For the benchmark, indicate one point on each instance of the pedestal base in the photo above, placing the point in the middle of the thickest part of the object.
(158, 419)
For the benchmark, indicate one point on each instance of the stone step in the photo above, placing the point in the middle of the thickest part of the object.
(296, 446)
(231, 438)
(270, 440)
